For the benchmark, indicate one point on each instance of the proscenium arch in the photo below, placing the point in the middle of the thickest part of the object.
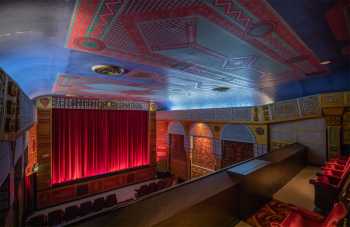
(237, 133)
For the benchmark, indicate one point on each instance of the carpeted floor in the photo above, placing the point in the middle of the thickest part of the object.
(274, 211)
(299, 191)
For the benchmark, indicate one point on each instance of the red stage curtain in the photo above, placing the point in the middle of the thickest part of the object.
(92, 142)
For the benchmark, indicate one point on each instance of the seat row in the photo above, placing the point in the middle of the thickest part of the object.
(153, 187)
(59, 216)
(329, 182)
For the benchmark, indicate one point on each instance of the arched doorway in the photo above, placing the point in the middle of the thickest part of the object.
(237, 144)
(178, 156)
(203, 159)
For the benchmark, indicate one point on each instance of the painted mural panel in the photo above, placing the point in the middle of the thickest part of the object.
(203, 158)
(234, 152)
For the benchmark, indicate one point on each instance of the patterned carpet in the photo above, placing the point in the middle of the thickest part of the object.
(274, 211)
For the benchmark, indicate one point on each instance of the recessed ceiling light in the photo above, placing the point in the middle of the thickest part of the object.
(325, 62)
(109, 70)
(221, 89)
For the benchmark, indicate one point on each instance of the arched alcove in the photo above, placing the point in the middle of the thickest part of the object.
(178, 156)
(201, 130)
(238, 143)
(176, 127)
(203, 158)
(237, 133)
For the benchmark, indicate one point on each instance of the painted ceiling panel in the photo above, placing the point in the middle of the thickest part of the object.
(175, 51)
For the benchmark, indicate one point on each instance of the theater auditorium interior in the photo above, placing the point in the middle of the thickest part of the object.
(175, 113)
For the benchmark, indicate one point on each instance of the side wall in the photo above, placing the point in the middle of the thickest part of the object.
(16, 117)
(320, 122)
(311, 133)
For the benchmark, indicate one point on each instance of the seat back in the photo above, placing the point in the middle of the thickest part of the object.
(111, 200)
(71, 212)
(338, 212)
(55, 217)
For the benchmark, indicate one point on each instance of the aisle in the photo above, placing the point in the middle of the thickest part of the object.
(299, 191)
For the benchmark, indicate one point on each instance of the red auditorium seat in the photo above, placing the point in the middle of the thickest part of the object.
(55, 217)
(85, 208)
(143, 190)
(152, 187)
(71, 213)
(111, 200)
(38, 220)
(304, 218)
(98, 204)
(329, 183)
(161, 185)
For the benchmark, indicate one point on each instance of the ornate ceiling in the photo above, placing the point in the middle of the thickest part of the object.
(175, 51)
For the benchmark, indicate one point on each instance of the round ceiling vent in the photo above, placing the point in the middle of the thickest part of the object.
(109, 70)
(221, 89)
(261, 29)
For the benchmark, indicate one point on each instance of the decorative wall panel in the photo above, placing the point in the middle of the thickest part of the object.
(162, 149)
(16, 109)
(265, 113)
(310, 106)
(44, 144)
(260, 133)
(332, 99)
(84, 103)
(202, 153)
(333, 141)
(285, 110)
(242, 114)
(203, 114)
(223, 114)
(32, 149)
